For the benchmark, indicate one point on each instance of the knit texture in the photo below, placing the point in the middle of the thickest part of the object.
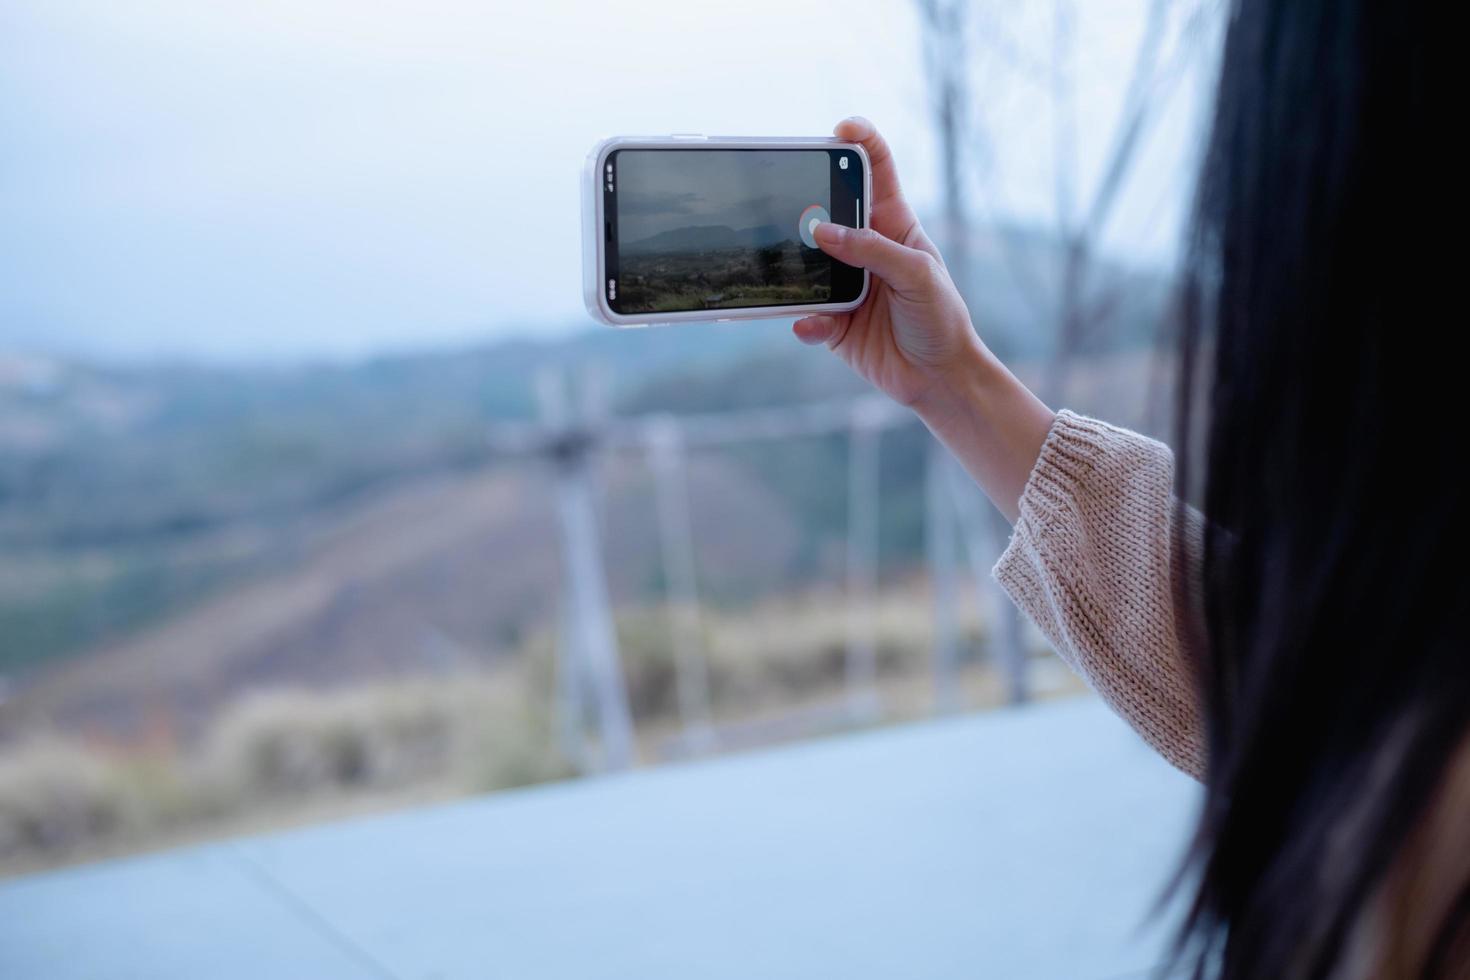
(1090, 562)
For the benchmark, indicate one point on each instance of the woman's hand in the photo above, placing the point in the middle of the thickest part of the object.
(913, 331)
(912, 339)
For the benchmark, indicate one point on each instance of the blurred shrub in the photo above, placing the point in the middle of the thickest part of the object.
(277, 755)
(783, 650)
(56, 795)
(285, 743)
(273, 750)
(477, 731)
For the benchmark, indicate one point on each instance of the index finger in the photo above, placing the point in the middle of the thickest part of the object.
(888, 206)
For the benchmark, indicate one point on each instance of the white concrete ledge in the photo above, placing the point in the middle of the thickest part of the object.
(1017, 844)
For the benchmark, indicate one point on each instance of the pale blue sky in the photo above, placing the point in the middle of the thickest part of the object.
(284, 179)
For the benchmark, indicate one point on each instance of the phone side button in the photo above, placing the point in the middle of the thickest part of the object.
(687, 136)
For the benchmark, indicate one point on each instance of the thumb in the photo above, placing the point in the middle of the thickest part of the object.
(903, 268)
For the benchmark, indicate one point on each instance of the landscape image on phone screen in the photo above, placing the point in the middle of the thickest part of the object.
(716, 229)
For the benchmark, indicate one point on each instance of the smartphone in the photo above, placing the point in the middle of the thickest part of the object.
(696, 228)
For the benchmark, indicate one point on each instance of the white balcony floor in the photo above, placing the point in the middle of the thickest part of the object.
(1028, 843)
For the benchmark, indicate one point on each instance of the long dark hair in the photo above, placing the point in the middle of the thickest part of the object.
(1318, 434)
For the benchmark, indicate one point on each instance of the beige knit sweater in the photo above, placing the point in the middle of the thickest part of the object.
(1089, 562)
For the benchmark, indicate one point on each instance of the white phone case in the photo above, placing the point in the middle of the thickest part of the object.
(593, 262)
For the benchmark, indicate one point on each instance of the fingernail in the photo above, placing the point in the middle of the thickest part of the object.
(829, 232)
(811, 333)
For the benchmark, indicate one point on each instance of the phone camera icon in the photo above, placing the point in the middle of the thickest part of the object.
(842, 163)
(806, 225)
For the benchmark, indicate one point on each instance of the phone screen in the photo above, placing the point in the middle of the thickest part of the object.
(710, 229)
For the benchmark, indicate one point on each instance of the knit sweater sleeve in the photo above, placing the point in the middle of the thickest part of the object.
(1090, 562)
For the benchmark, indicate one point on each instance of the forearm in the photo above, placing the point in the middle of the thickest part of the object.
(990, 421)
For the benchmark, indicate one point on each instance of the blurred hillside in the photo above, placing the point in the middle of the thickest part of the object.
(172, 535)
(125, 492)
(232, 598)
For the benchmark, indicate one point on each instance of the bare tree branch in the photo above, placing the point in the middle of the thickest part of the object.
(1064, 116)
(1080, 307)
(1140, 107)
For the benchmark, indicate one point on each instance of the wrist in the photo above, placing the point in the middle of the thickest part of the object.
(990, 421)
(959, 384)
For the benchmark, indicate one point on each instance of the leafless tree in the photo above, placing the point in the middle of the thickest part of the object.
(966, 39)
